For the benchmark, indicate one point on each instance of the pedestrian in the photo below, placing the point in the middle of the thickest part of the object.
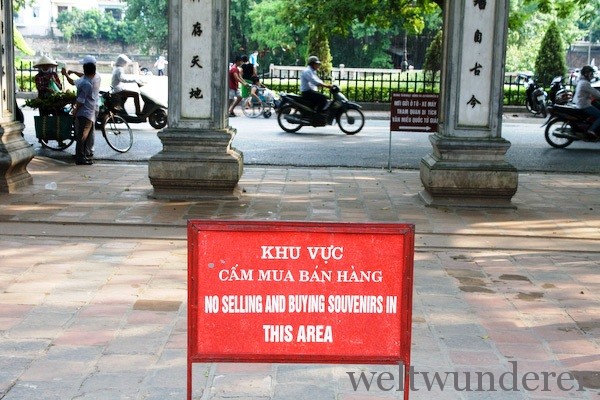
(253, 59)
(248, 71)
(235, 80)
(97, 81)
(160, 65)
(84, 112)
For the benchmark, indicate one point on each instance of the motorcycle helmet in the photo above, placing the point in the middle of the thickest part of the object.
(122, 60)
(587, 70)
(313, 60)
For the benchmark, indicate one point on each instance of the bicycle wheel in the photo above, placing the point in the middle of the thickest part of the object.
(117, 133)
(60, 144)
(251, 109)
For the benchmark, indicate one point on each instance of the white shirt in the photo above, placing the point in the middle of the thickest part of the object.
(118, 78)
(309, 80)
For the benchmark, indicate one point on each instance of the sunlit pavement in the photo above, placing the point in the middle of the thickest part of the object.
(93, 286)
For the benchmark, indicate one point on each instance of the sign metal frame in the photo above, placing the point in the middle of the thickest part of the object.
(207, 237)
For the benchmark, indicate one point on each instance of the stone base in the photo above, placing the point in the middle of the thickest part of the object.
(196, 165)
(468, 173)
(15, 154)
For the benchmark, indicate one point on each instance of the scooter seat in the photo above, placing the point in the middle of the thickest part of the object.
(568, 109)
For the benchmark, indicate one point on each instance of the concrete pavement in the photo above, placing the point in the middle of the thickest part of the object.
(93, 287)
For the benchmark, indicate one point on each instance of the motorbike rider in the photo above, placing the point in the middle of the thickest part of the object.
(119, 77)
(584, 94)
(310, 84)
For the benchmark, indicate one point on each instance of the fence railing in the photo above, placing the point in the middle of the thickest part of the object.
(358, 84)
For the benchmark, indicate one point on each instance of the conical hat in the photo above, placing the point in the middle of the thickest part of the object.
(45, 60)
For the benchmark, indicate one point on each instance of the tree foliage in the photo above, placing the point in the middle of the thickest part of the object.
(331, 17)
(93, 24)
(434, 56)
(550, 61)
(149, 20)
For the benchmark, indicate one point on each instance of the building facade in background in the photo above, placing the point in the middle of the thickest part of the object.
(40, 19)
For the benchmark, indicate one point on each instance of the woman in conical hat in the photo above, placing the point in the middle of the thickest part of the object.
(47, 80)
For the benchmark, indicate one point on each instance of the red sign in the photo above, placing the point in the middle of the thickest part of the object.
(299, 292)
(414, 112)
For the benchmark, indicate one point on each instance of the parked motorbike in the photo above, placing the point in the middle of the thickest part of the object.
(558, 93)
(154, 111)
(568, 124)
(535, 96)
(294, 112)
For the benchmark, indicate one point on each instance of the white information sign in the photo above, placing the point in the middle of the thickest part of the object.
(196, 60)
(476, 65)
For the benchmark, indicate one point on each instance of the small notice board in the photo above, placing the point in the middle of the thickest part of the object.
(416, 112)
(299, 292)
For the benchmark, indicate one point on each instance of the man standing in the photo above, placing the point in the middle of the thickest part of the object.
(310, 84)
(84, 112)
(97, 82)
(234, 80)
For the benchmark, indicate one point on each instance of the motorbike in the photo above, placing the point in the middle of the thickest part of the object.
(535, 96)
(568, 124)
(154, 111)
(294, 112)
(558, 93)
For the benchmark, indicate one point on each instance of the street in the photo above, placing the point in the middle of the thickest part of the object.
(263, 142)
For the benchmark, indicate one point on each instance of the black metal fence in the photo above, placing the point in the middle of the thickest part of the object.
(358, 84)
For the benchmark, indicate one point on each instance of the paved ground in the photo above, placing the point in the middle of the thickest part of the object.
(93, 287)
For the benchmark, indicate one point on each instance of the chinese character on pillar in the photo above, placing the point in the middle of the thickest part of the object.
(196, 72)
(475, 83)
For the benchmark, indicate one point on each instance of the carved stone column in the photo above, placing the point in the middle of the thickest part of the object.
(197, 160)
(467, 166)
(15, 152)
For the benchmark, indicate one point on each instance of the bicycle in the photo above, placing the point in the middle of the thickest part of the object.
(115, 128)
(60, 128)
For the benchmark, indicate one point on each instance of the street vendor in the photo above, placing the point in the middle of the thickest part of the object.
(47, 80)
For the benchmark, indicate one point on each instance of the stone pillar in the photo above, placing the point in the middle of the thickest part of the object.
(467, 166)
(197, 160)
(15, 152)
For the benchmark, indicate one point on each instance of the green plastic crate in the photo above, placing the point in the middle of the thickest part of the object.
(53, 127)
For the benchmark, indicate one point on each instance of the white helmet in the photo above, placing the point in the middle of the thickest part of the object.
(122, 60)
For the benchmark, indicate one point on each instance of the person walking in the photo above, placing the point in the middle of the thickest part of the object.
(235, 80)
(84, 112)
(248, 72)
(160, 65)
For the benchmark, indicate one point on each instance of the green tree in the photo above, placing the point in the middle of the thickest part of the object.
(434, 56)
(281, 43)
(149, 20)
(551, 59)
(327, 18)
